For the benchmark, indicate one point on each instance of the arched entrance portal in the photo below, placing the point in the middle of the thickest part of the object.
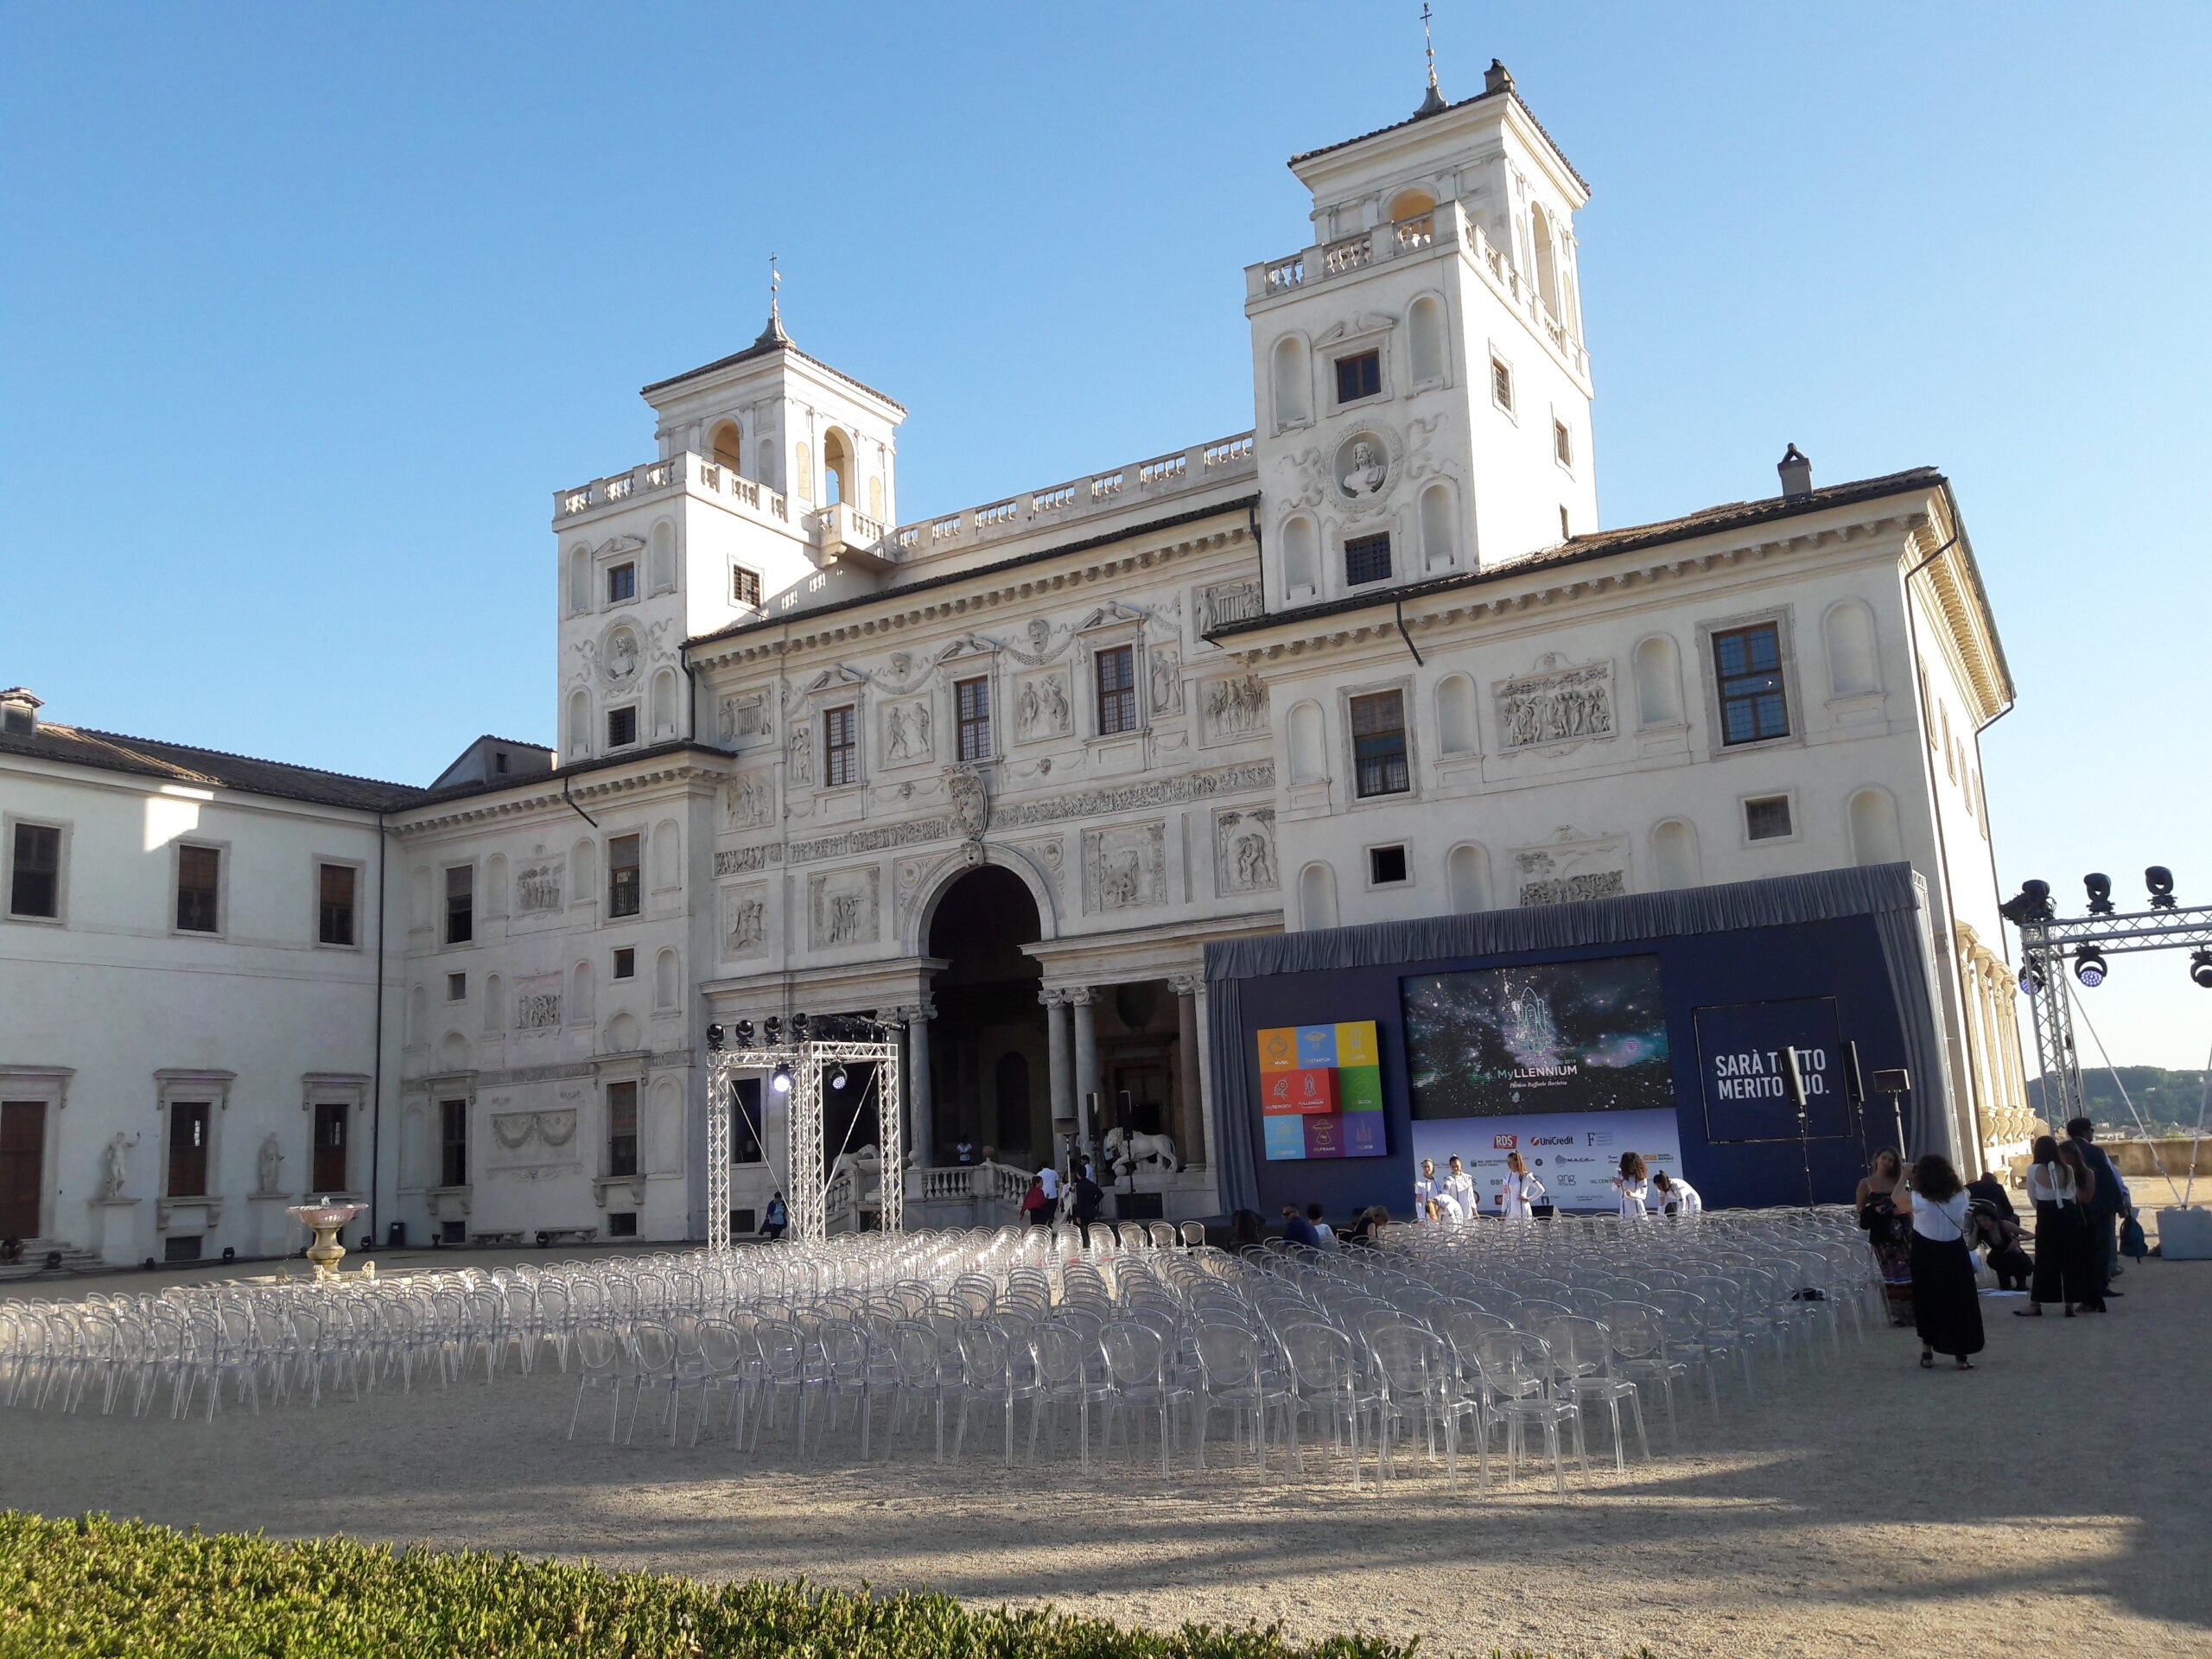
(988, 1067)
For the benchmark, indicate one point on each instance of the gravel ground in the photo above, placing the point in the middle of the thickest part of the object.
(2054, 1501)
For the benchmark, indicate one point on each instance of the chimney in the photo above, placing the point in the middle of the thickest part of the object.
(19, 707)
(1497, 78)
(1796, 475)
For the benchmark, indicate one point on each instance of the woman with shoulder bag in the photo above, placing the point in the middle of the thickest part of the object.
(1946, 1306)
(2060, 1186)
(1888, 1234)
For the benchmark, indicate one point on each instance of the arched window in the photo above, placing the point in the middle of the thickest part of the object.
(580, 994)
(668, 856)
(1411, 204)
(1855, 667)
(1455, 715)
(1294, 382)
(1467, 875)
(1301, 555)
(664, 980)
(1309, 755)
(1317, 897)
(1424, 323)
(1546, 261)
(664, 704)
(579, 580)
(579, 723)
(1674, 855)
(660, 564)
(1658, 682)
(837, 468)
(728, 446)
(1438, 544)
(1875, 836)
(495, 1006)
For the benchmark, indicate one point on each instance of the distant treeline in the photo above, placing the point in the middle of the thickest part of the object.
(2169, 1101)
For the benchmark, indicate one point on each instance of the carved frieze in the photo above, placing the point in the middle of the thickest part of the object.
(537, 885)
(515, 1130)
(1570, 867)
(1223, 603)
(1165, 792)
(744, 719)
(537, 1003)
(1124, 867)
(1244, 850)
(1558, 705)
(1232, 709)
(841, 907)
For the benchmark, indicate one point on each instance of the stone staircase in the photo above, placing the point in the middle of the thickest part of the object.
(33, 1266)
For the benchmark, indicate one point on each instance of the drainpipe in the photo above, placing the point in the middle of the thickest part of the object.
(376, 1060)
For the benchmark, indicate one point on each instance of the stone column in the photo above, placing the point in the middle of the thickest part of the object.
(1063, 1073)
(1086, 1062)
(1190, 1106)
(921, 1127)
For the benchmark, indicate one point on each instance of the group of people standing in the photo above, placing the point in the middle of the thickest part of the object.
(1923, 1224)
(1521, 1196)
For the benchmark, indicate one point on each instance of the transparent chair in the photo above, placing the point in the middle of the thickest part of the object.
(1516, 1371)
(1233, 1376)
(1582, 1371)
(1137, 1360)
(1421, 1389)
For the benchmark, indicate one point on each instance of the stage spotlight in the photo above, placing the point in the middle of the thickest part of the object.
(2031, 980)
(2031, 904)
(745, 1034)
(772, 1030)
(2200, 968)
(2160, 881)
(837, 1078)
(714, 1039)
(2100, 887)
(2089, 966)
(781, 1082)
(799, 1027)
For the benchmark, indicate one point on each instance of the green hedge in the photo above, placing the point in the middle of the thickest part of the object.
(71, 1589)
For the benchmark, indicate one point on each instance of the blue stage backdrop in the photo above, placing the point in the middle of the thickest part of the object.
(1657, 1023)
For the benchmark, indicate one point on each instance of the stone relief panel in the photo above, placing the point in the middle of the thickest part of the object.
(1223, 603)
(906, 882)
(905, 733)
(801, 750)
(1362, 468)
(1049, 855)
(1244, 850)
(743, 719)
(1042, 708)
(841, 907)
(748, 801)
(1166, 670)
(618, 659)
(537, 885)
(1232, 709)
(1124, 867)
(1572, 866)
(537, 1003)
(969, 803)
(745, 921)
(1558, 705)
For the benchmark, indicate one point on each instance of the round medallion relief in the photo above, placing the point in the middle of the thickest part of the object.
(1363, 466)
(618, 662)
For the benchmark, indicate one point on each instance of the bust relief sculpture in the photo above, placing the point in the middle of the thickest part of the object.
(268, 1167)
(1366, 468)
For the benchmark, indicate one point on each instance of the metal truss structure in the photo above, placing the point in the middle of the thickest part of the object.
(807, 1183)
(2049, 945)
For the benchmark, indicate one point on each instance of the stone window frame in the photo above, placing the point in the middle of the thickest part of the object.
(223, 849)
(1784, 619)
(173, 1085)
(1112, 636)
(49, 1086)
(361, 910)
(1379, 336)
(41, 820)
(1405, 685)
(1500, 359)
(988, 667)
(1367, 863)
(351, 1090)
(815, 711)
(1786, 792)
(439, 899)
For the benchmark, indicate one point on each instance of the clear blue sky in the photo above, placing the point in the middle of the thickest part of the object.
(307, 310)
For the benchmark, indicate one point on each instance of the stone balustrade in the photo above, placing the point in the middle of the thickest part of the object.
(707, 476)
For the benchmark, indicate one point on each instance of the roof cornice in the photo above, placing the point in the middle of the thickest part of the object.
(607, 781)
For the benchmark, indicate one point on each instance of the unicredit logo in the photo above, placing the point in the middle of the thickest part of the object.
(1553, 1140)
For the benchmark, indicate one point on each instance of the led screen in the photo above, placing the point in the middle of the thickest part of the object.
(1545, 1038)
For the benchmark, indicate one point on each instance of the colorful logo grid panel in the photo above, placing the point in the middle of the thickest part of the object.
(1321, 1092)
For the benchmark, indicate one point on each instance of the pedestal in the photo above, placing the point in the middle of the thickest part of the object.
(115, 1225)
(273, 1234)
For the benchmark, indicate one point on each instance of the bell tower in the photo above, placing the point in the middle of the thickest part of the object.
(1421, 388)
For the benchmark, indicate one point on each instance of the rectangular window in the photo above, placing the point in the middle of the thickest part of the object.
(460, 904)
(623, 887)
(1358, 377)
(841, 747)
(1367, 559)
(187, 1148)
(1753, 706)
(456, 988)
(622, 1224)
(621, 582)
(35, 879)
(621, 727)
(625, 963)
(335, 907)
(199, 872)
(1501, 385)
(1378, 745)
(972, 711)
(330, 1146)
(1116, 671)
(621, 1129)
(453, 1142)
(1767, 819)
(744, 586)
(1562, 444)
(499, 761)
(1385, 865)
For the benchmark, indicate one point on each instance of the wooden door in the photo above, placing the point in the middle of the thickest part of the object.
(330, 1146)
(1140, 1100)
(22, 1165)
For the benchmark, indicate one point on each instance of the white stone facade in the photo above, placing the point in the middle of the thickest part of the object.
(801, 745)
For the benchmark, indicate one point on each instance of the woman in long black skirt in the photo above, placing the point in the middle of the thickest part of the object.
(1946, 1307)
(2065, 1263)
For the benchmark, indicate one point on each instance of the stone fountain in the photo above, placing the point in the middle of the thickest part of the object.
(327, 1219)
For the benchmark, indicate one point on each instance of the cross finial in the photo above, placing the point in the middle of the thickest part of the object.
(775, 287)
(1433, 100)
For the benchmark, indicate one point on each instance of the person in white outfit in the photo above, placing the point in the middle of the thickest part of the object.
(1459, 1187)
(1520, 1190)
(1632, 1186)
(1424, 1185)
(1675, 1196)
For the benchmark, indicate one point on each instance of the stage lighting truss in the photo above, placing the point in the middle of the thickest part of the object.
(807, 1068)
(2050, 946)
